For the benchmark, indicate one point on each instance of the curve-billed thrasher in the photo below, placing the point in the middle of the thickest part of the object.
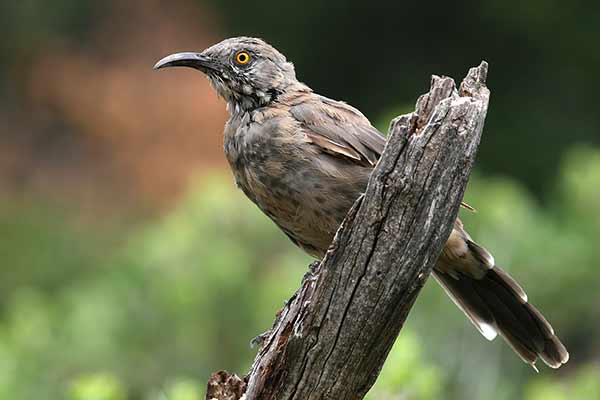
(304, 159)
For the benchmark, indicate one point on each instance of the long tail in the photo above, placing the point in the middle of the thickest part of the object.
(497, 304)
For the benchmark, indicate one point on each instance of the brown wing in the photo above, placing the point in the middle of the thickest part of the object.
(339, 129)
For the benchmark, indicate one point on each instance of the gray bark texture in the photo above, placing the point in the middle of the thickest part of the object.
(332, 337)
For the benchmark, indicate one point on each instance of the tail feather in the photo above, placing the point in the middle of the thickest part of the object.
(496, 303)
(469, 302)
(512, 319)
(502, 278)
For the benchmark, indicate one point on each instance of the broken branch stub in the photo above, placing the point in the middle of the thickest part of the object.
(331, 339)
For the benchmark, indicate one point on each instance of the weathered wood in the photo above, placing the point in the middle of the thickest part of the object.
(331, 339)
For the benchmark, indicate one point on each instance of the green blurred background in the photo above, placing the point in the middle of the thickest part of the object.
(132, 268)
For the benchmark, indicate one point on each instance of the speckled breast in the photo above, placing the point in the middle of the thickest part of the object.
(294, 185)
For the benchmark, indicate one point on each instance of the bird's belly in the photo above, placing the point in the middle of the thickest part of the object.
(307, 204)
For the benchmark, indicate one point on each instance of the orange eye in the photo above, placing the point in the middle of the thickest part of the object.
(242, 58)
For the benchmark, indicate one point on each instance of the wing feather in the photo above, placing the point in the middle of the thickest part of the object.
(339, 129)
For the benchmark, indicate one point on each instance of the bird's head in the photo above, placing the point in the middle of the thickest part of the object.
(246, 72)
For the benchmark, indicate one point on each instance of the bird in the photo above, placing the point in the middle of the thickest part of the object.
(304, 159)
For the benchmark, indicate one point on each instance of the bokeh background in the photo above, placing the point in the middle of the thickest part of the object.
(130, 266)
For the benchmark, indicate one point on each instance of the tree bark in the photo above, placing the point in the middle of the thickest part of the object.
(332, 337)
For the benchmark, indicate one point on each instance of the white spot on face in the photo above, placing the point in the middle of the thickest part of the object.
(247, 89)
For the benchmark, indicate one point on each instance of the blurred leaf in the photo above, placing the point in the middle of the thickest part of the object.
(406, 375)
(97, 387)
(583, 385)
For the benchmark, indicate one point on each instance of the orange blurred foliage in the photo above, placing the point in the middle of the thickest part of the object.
(142, 133)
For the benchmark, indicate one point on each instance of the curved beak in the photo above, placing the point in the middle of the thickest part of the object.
(197, 61)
